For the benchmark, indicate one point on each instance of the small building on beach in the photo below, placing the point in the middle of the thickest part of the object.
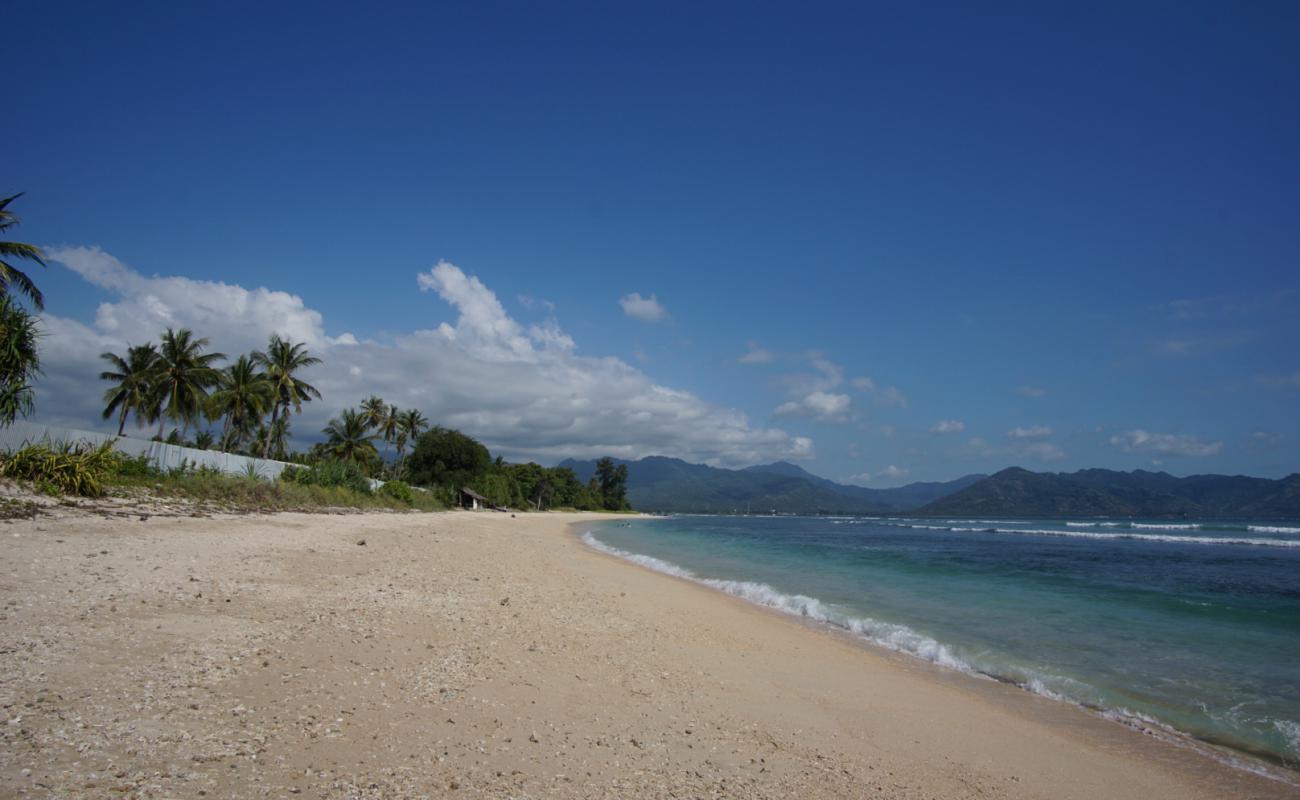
(472, 500)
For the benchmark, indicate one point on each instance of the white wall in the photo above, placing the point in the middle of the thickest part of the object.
(164, 456)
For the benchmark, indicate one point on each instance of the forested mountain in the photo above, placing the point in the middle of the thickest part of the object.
(657, 483)
(1101, 492)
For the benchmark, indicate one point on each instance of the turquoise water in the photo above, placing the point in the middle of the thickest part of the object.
(1189, 629)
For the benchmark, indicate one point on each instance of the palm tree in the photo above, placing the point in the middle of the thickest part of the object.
(389, 426)
(276, 437)
(373, 410)
(203, 440)
(282, 361)
(184, 376)
(350, 438)
(243, 397)
(409, 425)
(9, 274)
(135, 390)
(19, 360)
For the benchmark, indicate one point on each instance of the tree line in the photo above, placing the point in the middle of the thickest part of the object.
(245, 407)
(178, 380)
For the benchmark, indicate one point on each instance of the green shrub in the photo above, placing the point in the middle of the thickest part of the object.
(61, 468)
(124, 466)
(329, 473)
(398, 490)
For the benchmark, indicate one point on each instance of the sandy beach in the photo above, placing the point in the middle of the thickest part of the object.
(485, 655)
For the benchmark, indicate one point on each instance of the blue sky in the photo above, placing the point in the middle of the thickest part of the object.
(951, 238)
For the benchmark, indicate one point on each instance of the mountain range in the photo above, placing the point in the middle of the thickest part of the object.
(658, 483)
(1103, 492)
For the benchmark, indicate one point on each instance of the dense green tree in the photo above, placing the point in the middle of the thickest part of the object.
(203, 440)
(135, 389)
(242, 398)
(612, 482)
(444, 457)
(20, 361)
(11, 276)
(350, 439)
(282, 361)
(184, 374)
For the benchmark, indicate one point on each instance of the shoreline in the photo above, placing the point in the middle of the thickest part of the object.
(1223, 755)
(481, 655)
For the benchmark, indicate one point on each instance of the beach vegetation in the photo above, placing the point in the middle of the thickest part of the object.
(183, 375)
(10, 252)
(20, 360)
(134, 386)
(283, 361)
(349, 439)
(61, 468)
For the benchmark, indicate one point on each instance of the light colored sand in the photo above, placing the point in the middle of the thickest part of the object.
(485, 656)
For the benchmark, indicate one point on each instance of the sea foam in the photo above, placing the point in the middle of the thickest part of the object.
(896, 637)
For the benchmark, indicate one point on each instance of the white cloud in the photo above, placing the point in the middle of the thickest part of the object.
(880, 395)
(825, 406)
(1169, 444)
(756, 355)
(646, 309)
(1032, 432)
(1030, 391)
(892, 471)
(948, 426)
(523, 390)
(861, 479)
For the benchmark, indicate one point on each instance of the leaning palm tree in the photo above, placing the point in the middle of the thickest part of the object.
(184, 375)
(9, 274)
(282, 361)
(243, 397)
(135, 389)
(350, 438)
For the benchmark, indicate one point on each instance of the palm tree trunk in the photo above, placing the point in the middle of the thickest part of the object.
(225, 433)
(266, 446)
(121, 420)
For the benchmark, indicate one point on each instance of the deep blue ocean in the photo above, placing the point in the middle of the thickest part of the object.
(1190, 629)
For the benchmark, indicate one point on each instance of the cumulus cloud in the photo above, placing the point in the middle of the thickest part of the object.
(523, 390)
(825, 406)
(892, 471)
(1171, 444)
(756, 355)
(948, 426)
(646, 309)
(1032, 432)
(1030, 391)
(880, 395)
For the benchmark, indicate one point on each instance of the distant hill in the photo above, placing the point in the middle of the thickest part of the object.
(1017, 492)
(658, 483)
